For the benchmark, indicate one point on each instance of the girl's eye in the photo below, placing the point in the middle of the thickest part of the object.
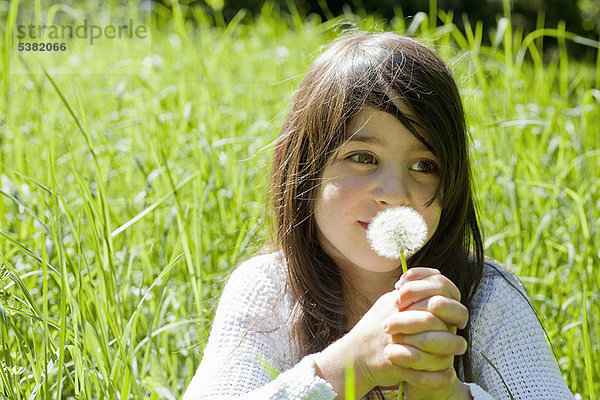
(425, 166)
(363, 158)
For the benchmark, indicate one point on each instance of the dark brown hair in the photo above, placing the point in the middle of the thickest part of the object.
(400, 76)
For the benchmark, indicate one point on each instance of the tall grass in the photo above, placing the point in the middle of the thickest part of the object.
(126, 200)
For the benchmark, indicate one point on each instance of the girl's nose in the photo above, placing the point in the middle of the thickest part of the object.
(392, 190)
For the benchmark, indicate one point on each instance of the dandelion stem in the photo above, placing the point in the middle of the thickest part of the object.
(403, 259)
(404, 269)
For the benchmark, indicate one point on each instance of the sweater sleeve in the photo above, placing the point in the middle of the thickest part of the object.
(506, 330)
(248, 351)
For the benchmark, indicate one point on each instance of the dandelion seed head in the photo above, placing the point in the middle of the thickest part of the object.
(397, 230)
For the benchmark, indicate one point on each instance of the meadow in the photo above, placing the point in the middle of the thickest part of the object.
(127, 199)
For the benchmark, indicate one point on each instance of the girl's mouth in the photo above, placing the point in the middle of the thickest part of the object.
(365, 225)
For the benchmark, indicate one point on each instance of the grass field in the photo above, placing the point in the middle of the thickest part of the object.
(126, 200)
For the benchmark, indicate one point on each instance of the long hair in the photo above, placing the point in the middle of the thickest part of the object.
(402, 77)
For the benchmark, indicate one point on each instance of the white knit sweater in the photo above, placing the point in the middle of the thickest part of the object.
(249, 353)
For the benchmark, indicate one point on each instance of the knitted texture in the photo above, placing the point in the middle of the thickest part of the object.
(250, 355)
(506, 330)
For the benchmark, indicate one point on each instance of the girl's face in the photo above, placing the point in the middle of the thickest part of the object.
(382, 165)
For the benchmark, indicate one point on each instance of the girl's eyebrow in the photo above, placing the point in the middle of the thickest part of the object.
(369, 139)
(378, 141)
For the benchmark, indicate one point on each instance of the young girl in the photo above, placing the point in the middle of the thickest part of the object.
(376, 123)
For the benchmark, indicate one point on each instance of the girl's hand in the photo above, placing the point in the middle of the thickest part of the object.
(429, 320)
(426, 289)
(424, 340)
(364, 347)
(366, 344)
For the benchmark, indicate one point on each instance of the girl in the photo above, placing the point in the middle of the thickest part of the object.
(377, 122)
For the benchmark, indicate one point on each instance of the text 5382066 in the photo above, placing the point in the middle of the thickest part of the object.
(42, 46)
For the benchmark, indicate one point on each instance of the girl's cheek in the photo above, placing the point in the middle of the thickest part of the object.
(433, 220)
(343, 188)
(330, 193)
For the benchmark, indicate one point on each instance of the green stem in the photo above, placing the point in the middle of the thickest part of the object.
(403, 259)
(404, 269)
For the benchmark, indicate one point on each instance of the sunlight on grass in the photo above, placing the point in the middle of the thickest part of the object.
(125, 200)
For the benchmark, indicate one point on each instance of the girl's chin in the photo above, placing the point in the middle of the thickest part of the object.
(383, 270)
(381, 264)
(370, 262)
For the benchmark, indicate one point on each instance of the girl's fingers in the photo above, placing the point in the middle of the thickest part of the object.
(448, 310)
(413, 321)
(432, 380)
(407, 356)
(411, 292)
(434, 342)
(416, 273)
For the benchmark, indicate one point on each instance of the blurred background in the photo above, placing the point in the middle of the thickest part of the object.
(580, 16)
(132, 172)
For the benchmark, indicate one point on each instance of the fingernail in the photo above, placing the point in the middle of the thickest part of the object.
(399, 282)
